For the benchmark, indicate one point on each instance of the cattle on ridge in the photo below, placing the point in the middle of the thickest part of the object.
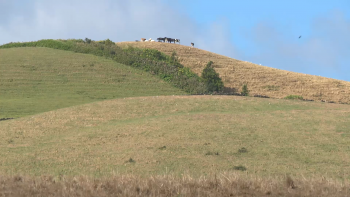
(160, 39)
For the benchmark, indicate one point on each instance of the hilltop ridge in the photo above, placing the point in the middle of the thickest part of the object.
(261, 80)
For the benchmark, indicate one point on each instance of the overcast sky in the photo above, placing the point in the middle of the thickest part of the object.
(260, 31)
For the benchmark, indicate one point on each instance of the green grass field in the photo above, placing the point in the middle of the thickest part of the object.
(195, 135)
(35, 80)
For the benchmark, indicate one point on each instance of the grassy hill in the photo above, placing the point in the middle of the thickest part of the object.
(261, 80)
(194, 135)
(35, 80)
(134, 131)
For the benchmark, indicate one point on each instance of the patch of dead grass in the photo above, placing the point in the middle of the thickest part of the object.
(235, 73)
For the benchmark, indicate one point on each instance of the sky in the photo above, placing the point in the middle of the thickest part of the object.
(264, 32)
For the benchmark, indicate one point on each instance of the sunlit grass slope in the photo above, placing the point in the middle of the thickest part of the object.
(34, 80)
(194, 135)
(261, 80)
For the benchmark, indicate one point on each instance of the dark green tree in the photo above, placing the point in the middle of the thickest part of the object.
(211, 78)
(87, 40)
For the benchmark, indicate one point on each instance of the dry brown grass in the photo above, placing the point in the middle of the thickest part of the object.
(261, 80)
(226, 184)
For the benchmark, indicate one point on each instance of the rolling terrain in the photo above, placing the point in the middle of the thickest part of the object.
(88, 126)
(35, 80)
(261, 80)
(193, 135)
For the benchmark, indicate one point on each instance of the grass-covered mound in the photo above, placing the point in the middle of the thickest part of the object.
(150, 60)
(193, 135)
(37, 79)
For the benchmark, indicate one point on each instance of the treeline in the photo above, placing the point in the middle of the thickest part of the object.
(166, 67)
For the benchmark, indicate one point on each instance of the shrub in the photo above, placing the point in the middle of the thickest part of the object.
(108, 42)
(294, 97)
(211, 78)
(245, 91)
(162, 148)
(212, 153)
(240, 168)
(242, 150)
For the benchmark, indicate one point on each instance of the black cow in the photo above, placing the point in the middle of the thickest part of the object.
(171, 40)
(192, 44)
(161, 39)
(177, 40)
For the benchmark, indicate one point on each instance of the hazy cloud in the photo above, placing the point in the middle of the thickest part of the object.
(118, 20)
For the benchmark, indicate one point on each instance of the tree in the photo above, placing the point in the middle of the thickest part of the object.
(87, 40)
(211, 78)
(245, 91)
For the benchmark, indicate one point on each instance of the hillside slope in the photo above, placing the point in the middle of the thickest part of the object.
(261, 80)
(193, 135)
(34, 80)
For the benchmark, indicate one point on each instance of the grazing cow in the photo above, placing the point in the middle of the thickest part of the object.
(177, 40)
(161, 39)
(192, 44)
(143, 39)
(150, 39)
(171, 40)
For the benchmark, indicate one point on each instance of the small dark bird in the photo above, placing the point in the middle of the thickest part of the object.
(299, 37)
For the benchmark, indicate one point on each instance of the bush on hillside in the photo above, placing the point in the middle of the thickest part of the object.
(107, 42)
(245, 91)
(293, 97)
(211, 78)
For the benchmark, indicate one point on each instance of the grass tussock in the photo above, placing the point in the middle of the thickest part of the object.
(167, 185)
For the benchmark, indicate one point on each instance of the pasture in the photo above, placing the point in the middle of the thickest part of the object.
(192, 135)
(86, 125)
(35, 80)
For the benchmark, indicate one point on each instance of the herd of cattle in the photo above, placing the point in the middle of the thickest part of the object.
(165, 39)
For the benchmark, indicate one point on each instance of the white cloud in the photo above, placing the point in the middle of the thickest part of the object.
(118, 20)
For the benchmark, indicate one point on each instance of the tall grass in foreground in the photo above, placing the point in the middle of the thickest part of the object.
(166, 185)
(150, 60)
